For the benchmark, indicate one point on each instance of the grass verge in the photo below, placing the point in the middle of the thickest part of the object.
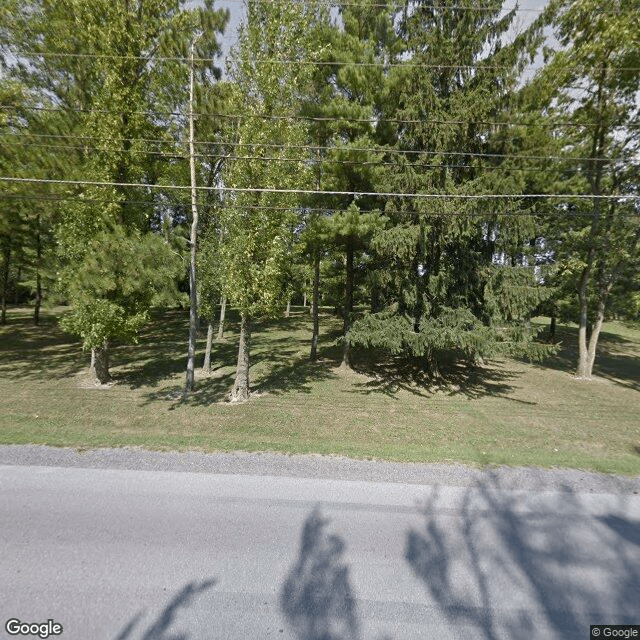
(509, 412)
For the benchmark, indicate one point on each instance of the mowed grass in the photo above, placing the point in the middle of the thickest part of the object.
(508, 412)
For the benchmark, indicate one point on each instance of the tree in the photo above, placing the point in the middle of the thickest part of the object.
(257, 224)
(347, 87)
(351, 230)
(114, 286)
(596, 78)
(104, 81)
(27, 219)
(444, 292)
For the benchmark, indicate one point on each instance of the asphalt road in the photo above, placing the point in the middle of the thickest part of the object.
(157, 554)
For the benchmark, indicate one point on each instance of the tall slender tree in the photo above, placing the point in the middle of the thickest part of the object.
(594, 76)
(257, 224)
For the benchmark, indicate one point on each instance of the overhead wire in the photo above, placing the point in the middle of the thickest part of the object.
(293, 117)
(355, 194)
(307, 160)
(77, 199)
(309, 147)
(320, 63)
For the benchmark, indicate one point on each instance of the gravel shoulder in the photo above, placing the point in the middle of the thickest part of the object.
(317, 466)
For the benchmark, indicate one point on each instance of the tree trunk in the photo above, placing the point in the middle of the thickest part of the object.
(421, 275)
(38, 301)
(583, 350)
(304, 298)
(5, 282)
(348, 306)
(36, 310)
(223, 307)
(206, 366)
(314, 307)
(552, 329)
(595, 172)
(193, 292)
(593, 340)
(287, 312)
(375, 298)
(240, 390)
(585, 368)
(100, 363)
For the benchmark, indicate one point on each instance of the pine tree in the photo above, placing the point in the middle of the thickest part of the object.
(445, 295)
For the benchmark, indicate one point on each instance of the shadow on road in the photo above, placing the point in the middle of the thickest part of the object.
(316, 599)
(493, 563)
(160, 627)
(511, 570)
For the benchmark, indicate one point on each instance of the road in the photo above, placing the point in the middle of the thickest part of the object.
(127, 554)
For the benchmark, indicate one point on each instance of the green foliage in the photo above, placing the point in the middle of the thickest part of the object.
(596, 242)
(512, 293)
(455, 332)
(257, 227)
(111, 290)
(434, 257)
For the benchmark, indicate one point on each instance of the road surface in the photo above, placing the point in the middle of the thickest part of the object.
(131, 554)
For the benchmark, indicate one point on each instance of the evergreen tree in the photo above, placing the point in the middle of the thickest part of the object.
(445, 293)
(348, 84)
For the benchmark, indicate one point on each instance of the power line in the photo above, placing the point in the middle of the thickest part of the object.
(307, 160)
(441, 7)
(264, 145)
(293, 117)
(300, 208)
(400, 6)
(480, 66)
(355, 194)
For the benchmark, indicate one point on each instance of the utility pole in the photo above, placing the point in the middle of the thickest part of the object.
(193, 294)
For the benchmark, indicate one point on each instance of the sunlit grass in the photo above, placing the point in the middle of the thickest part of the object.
(509, 412)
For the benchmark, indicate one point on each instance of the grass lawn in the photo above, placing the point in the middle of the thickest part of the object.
(508, 412)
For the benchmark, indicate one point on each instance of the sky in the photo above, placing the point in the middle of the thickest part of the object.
(528, 11)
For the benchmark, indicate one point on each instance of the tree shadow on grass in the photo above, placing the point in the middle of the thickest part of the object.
(287, 376)
(391, 374)
(518, 570)
(36, 352)
(160, 628)
(284, 376)
(617, 357)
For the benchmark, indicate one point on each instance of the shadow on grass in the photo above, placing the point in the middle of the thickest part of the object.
(160, 627)
(285, 375)
(617, 357)
(391, 374)
(161, 352)
(35, 352)
(513, 571)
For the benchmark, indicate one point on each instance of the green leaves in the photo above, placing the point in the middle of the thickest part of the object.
(258, 226)
(112, 287)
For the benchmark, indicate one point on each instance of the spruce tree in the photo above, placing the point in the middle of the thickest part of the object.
(445, 293)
